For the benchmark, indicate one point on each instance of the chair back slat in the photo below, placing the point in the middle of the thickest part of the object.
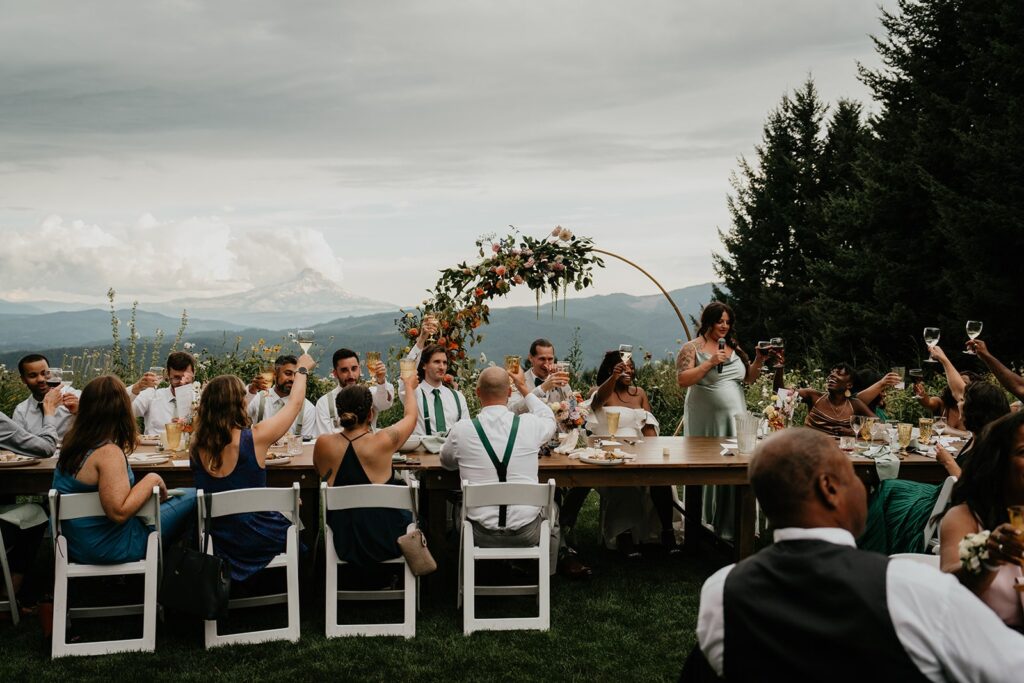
(477, 495)
(78, 505)
(367, 496)
(242, 501)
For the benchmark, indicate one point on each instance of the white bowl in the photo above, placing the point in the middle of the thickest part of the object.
(411, 444)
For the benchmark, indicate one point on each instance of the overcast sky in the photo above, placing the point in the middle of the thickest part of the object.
(196, 148)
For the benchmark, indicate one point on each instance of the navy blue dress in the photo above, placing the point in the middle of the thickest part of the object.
(251, 540)
(365, 536)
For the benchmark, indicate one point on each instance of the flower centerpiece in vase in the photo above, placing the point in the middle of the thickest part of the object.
(570, 414)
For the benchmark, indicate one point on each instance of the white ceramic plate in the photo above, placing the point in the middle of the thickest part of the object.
(14, 460)
(144, 460)
(601, 461)
(275, 459)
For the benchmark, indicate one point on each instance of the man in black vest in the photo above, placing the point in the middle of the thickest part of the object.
(813, 607)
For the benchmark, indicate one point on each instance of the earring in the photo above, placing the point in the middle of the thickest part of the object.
(847, 393)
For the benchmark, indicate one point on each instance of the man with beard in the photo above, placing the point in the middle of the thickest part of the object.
(347, 372)
(268, 402)
(156, 406)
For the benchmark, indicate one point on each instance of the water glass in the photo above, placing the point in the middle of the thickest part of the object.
(847, 444)
(294, 444)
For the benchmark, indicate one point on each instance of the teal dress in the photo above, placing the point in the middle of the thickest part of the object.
(897, 515)
(708, 411)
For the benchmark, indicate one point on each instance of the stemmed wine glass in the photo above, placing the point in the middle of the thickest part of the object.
(778, 346)
(973, 328)
(68, 378)
(939, 426)
(765, 347)
(625, 352)
(931, 339)
(857, 424)
(55, 377)
(304, 338)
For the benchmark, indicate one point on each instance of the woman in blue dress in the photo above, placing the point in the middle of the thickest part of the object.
(93, 458)
(228, 453)
(365, 536)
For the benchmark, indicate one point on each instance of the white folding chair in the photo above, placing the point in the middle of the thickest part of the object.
(11, 602)
(369, 496)
(922, 558)
(931, 529)
(78, 505)
(285, 501)
(479, 495)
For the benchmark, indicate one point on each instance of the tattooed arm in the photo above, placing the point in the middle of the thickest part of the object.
(688, 371)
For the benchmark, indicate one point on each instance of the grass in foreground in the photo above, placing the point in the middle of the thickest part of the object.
(630, 621)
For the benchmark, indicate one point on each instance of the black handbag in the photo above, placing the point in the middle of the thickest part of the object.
(195, 583)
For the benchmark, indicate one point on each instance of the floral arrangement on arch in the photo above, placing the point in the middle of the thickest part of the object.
(549, 265)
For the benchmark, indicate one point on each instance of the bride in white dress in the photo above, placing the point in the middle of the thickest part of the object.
(626, 517)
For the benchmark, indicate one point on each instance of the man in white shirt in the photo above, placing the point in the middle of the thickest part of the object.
(812, 606)
(158, 406)
(497, 438)
(542, 379)
(439, 406)
(268, 402)
(346, 371)
(29, 414)
(14, 437)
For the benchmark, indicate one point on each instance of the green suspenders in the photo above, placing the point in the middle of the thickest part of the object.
(502, 465)
(426, 409)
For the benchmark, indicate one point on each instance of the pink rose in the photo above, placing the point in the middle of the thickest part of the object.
(557, 231)
(557, 266)
(500, 270)
(495, 248)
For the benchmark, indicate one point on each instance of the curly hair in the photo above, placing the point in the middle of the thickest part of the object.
(221, 410)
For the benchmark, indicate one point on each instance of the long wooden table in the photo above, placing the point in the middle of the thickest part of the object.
(691, 462)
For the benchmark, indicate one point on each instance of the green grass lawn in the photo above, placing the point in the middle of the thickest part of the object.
(630, 621)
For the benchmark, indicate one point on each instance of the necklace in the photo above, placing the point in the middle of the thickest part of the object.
(832, 408)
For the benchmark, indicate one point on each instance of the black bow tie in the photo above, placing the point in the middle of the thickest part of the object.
(537, 381)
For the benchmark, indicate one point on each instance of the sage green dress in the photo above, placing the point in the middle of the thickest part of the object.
(708, 411)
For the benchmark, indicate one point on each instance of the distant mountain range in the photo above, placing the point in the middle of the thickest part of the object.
(604, 323)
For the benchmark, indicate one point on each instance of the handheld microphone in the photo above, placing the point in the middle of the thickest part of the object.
(721, 347)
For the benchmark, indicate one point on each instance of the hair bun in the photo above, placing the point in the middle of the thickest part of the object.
(348, 420)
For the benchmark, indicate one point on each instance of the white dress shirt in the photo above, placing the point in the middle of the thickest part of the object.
(464, 451)
(517, 405)
(157, 407)
(326, 407)
(949, 634)
(451, 399)
(15, 438)
(29, 415)
(273, 403)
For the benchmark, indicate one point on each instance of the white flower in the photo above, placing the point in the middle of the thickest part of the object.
(196, 387)
(189, 346)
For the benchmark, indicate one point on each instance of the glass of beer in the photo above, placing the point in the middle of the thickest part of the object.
(173, 432)
(267, 375)
(512, 364)
(407, 367)
(613, 422)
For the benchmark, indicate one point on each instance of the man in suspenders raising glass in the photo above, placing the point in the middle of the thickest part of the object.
(346, 370)
(500, 446)
(439, 406)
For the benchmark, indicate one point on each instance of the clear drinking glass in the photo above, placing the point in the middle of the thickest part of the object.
(765, 348)
(304, 338)
(55, 377)
(68, 378)
(613, 422)
(407, 368)
(973, 328)
(904, 434)
(857, 424)
(931, 338)
(938, 426)
(625, 352)
(925, 425)
(901, 371)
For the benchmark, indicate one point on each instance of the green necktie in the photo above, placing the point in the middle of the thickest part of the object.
(439, 412)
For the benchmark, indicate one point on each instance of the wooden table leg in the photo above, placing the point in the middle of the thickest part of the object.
(692, 527)
(746, 522)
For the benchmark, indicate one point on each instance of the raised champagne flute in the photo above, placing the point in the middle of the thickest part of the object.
(931, 339)
(304, 338)
(973, 328)
(778, 347)
(625, 352)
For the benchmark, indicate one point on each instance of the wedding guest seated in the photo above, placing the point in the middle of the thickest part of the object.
(830, 412)
(158, 406)
(900, 509)
(872, 392)
(228, 452)
(364, 536)
(93, 457)
(34, 370)
(498, 445)
(983, 402)
(22, 526)
(550, 386)
(346, 371)
(14, 437)
(991, 481)
(773, 616)
(626, 510)
(946, 405)
(439, 407)
(269, 402)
